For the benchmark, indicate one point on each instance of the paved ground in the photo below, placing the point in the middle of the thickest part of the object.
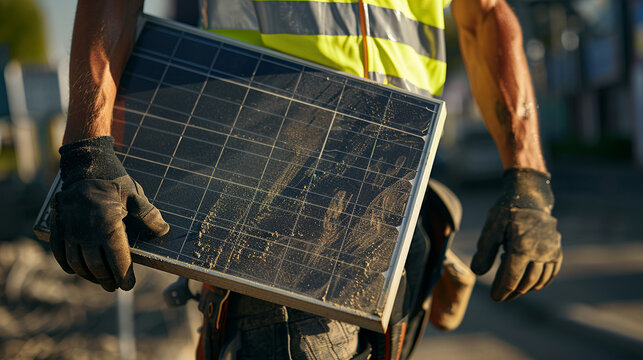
(594, 310)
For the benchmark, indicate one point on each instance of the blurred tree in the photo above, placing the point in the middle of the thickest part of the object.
(21, 29)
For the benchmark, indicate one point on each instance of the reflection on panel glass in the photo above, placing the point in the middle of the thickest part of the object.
(281, 174)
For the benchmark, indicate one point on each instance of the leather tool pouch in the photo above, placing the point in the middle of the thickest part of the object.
(451, 293)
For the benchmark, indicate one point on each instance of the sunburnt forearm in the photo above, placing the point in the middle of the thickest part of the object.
(102, 40)
(491, 44)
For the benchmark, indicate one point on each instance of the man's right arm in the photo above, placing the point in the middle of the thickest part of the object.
(103, 37)
(88, 215)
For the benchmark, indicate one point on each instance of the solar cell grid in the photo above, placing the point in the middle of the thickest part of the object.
(274, 175)
(251, 122)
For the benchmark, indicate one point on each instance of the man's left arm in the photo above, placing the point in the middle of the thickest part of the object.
(492, 49)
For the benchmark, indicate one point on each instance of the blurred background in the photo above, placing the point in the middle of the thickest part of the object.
(586, 60)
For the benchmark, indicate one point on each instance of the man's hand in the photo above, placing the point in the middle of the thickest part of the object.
(520, 221)
(89, 215)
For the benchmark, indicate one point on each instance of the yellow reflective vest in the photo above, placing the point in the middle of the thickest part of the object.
(394, 42)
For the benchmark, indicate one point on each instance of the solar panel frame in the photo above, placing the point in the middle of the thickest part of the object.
(376, 321)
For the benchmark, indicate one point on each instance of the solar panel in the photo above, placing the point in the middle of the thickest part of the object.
(280, 179)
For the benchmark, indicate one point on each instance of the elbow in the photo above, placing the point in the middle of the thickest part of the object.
(473, 15)
(469, 13)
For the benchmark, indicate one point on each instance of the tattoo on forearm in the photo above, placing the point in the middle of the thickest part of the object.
(528, 108)
(502, 113)
(504, 120)
(504, 116)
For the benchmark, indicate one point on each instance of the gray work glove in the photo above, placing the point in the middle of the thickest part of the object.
(89, 215)
(521, 222)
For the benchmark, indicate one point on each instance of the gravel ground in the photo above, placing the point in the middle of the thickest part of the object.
(48, 314)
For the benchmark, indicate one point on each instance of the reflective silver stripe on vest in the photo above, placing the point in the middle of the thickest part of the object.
(308, 18)
(229, 14)
(393, 25)
(397, 82)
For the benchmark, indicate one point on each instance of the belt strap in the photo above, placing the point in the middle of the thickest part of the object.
(214, 306)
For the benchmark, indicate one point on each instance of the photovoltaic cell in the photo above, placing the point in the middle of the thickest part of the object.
(280, 179)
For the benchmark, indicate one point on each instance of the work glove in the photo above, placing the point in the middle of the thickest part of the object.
(521, 222)
(89, 215)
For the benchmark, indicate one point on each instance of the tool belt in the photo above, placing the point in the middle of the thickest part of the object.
(213, 303)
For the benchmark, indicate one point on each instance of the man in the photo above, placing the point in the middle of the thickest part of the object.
(403, 47)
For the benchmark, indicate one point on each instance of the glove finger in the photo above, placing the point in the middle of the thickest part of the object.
(57, 246)
(77, 262)
(508, 276)
(490, 239)
(123, 270)
(154, 223)
(98, 266)
(117, 254)
(146, 215)
(548, 270)
(533, 273)
(557, 265)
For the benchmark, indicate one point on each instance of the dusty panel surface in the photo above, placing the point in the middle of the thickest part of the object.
(269, 170)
